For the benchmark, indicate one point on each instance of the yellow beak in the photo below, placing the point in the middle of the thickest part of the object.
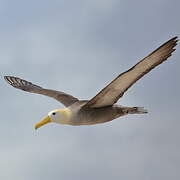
(43, 122)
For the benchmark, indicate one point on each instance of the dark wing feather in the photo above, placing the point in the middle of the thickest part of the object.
(24, 85)
(115, 90)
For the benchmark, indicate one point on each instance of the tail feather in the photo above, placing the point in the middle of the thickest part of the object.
(141, 110)
(135, 110)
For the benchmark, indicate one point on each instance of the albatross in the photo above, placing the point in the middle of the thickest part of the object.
(102, 107)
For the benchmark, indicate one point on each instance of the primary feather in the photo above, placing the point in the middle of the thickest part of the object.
(115, 90)
(24, 85)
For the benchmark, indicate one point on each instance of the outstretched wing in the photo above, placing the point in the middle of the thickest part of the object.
(115, 90)
(24, 85)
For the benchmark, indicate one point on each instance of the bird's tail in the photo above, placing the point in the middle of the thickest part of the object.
(141, 110)
(135, 110)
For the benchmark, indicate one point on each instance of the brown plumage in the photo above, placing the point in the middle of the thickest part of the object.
(24, 85)
(100, 108)
(115, 90)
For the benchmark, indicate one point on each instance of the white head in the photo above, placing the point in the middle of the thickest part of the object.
(61, 116)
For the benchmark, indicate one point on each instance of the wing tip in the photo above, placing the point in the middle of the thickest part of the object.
(11, 80)
(168, 46)
(7, 79)
(174, 40)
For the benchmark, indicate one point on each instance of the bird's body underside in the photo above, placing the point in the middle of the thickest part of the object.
(102, 107)
(91, 116)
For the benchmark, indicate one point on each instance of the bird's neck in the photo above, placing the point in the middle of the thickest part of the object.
(66, 115)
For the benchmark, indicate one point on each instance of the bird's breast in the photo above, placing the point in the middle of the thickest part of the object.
(94, 116)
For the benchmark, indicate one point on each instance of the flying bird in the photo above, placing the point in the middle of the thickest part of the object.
(102, 107)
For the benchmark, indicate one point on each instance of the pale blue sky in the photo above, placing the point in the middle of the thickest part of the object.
(78, 47)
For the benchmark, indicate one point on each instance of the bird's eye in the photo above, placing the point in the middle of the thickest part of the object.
(53, 113)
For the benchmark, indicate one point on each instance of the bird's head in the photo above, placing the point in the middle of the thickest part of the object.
(61, 116)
